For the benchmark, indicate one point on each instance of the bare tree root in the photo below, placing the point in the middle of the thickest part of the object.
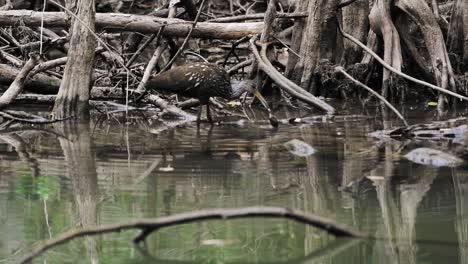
(423, 17)
(462, 81)
(147, 226)
(457, 39)
(372, 44)
(381, 23)
(18, 84)
(381, 98)
(403, 75)
(287, 85)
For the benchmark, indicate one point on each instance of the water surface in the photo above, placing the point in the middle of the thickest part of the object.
(109, 171)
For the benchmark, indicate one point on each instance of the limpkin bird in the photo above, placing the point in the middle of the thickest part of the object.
(203, 80)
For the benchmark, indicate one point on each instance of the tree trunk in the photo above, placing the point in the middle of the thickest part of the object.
(458, 33)
(296, 39)
(381, 23)
(73, 95)
(355, 21)
(319, 40)
(422, 15)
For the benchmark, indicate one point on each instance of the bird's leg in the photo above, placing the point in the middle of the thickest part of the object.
(200, 109)
(208, 113)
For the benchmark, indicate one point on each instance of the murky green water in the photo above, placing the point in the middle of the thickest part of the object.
(110, 172)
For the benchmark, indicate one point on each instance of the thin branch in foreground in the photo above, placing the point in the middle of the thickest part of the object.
(149, 225)
(360, 84)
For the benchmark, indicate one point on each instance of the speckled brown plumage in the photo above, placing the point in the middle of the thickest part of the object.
(197, 80)
(202, 81)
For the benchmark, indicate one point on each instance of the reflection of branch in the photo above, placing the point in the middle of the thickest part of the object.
(329, 251)
(147, 226)
(23, 152)
(32, 130)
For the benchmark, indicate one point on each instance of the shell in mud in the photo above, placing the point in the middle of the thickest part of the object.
(299, 148)
(433, 157)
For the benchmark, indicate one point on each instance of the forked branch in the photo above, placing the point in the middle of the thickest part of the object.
(149, 225)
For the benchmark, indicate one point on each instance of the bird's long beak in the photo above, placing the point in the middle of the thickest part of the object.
(262, 100)
(272, 118)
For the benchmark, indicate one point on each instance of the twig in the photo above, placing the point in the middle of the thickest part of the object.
(144, 45)
(48, 64)
(163, 104)
(358, 83)
(236, 67)
(233, 47)
(256, 16)
(181, 48)
(149, 225)
(98, 39)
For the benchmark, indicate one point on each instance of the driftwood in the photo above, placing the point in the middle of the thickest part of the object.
(135, 23)
(17, 86)
(171, 109)
(147, 226)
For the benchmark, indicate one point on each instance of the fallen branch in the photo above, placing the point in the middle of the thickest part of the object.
(23, 117)
(287, 85)
(43, 66)
(381, 98)
(147, 226)
(135, 23)
(18, 84)
(256, 16)
(172, 109)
